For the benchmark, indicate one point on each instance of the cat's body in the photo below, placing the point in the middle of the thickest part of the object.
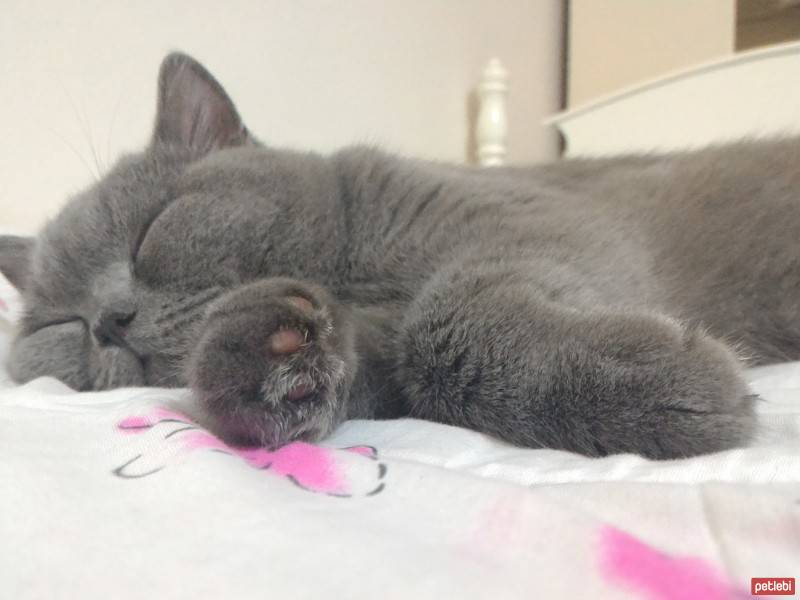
(576, 305)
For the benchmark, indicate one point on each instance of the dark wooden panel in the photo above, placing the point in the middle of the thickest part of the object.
(765, 22)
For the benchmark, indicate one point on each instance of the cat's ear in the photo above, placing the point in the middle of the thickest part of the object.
(15, 258)
(194, 111)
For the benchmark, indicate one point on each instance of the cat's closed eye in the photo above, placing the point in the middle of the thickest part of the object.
(63, 321)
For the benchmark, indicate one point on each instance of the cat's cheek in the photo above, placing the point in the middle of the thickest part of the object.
(60, 351)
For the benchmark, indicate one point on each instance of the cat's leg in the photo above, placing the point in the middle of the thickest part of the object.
(274, 362)
(493, 353)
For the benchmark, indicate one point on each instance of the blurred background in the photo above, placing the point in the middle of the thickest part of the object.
(78, 76)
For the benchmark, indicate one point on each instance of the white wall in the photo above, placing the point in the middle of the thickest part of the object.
(77, 78)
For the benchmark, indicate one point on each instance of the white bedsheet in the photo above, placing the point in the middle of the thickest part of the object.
(117, 495)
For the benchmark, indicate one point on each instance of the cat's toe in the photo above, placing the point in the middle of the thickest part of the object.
(705, 404)
(304, 304)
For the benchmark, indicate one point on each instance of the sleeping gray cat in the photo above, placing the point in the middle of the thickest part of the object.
(599, 306)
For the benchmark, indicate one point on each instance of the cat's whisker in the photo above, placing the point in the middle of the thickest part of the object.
(195, 302)
(87, 133)
(114, 113)
(74, 150)
(82, 125)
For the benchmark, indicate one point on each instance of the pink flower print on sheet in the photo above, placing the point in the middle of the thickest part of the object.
(347, 472)
(630, 562)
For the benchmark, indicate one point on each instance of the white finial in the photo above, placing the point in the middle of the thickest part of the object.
(492, 120)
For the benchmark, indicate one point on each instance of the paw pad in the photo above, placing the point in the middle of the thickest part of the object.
(286, 341)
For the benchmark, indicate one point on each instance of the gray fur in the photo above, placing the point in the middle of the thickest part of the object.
(599, 306)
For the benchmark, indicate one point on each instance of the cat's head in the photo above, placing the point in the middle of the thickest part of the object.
(115, 283)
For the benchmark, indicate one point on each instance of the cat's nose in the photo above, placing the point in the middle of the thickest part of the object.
(111, 327)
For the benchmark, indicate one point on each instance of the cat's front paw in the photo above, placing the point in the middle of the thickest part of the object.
(274, 363)
(675, 390)
(710, 406)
